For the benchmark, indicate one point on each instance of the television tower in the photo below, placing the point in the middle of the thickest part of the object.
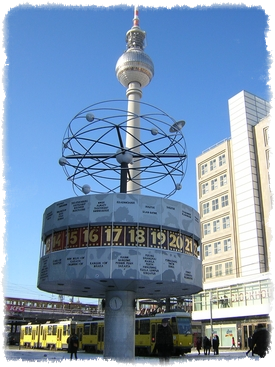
(134, 70)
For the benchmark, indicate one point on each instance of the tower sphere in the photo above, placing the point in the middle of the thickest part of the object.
(86, 189)
(124, 156)
(134, 66)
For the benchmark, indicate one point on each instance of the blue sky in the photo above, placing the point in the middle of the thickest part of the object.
(62, 59)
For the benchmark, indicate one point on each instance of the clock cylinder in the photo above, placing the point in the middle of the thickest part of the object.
(96, 243)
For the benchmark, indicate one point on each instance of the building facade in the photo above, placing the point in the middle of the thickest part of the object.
(234, 199)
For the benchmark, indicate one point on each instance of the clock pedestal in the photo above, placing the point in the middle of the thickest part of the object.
(119, 336)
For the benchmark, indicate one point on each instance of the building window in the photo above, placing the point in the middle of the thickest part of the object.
(227, 244)
(206, 229)
(213, 164)
(272, 203)
(225, 222)
(215, 204)
(216, 225)
(222, 159)
(205, 188)
(208, 272)
(204, 169)
(269, 135)
(271, 180)
(214, 184)
(208, 250)
(228, 268)
(217, 247)
(265, 132)
(218, 270)
(223, 180)
(224, 200)
(205, 208)
(270, 158)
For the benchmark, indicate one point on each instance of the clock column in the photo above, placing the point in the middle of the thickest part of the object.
(119, 338)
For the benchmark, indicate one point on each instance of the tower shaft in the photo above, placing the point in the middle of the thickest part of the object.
(134, 95)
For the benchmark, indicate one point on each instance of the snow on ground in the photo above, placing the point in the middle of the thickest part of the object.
(27, 355)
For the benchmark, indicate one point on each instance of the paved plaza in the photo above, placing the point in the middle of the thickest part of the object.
(16, 355)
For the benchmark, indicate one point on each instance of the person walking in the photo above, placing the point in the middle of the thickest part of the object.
(206, 345)
(249, 346)
(164, 341)
(216, 343)
(233, 343)
(73, 345)
(261, 341)
(199, 344)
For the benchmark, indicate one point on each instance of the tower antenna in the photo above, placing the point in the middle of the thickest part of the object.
(136, 18)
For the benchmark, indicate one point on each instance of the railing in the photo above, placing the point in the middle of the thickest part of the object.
(215, 145)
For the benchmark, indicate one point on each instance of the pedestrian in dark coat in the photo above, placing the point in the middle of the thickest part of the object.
(73, 345)
(164, 341)
(216, 343)
(198, 344)
(250, 346)
(206, 345)
(261, 341)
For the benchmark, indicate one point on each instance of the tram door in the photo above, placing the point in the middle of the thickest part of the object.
(59, 338)
(153, 335)
(100, 338)
(79, 332)
(44, 338)
(33, 342)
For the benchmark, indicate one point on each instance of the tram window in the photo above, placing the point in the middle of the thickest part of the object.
(64, 330)
(41, 330)
(54, 329)
(137, 327)
(173, 324)
(94, 329)
(50, 329)
(86, 330)
(184, 325)
(144, 327)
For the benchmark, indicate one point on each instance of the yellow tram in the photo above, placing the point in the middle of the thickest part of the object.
(91, 334)
(48, 335)
(146, 330)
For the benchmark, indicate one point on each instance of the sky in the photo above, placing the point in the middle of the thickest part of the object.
(61, 59)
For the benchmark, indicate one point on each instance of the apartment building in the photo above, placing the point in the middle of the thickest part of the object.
(234, 199)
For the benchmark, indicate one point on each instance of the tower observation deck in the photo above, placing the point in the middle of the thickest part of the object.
(135, 66)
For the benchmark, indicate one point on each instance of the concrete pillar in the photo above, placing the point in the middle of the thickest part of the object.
(119, 331)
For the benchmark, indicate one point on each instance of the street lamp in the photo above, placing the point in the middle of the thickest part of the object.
(211, 317)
